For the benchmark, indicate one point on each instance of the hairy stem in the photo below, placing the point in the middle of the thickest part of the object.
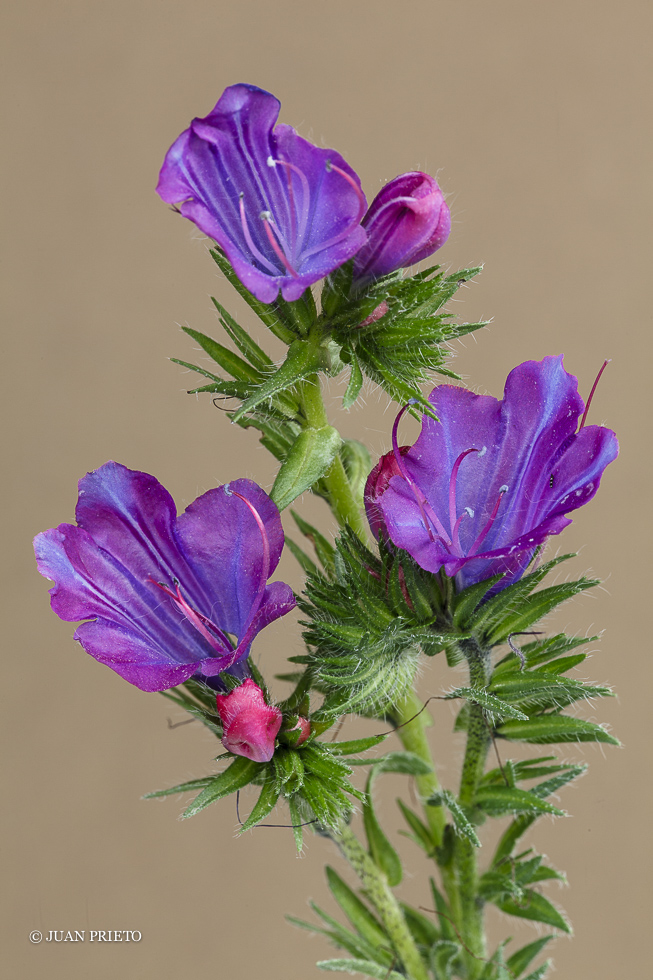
(341, 497)
(380, 895)
(471, 924)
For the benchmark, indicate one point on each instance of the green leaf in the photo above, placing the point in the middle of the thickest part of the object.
(254, 354)
(520, 960)
(363, 967)
(354, 944)
(465, 602)
(241, 772)
(355, 384)
(302, 360)
(356, 460)
(540, 972)
(356, 911)
(357, 745)
(443, 954)
(420, 832)
(443, 912)
(422, 929)
(499, 800)
(323, 549)
(491, 703)
(537, 908)
(296, 824)
(532, 609)
(307, 565)
(381, 850)
(462, 825)
(548, 729)
(267, 312)
(408, 763)
(263, 806)
(228, 361)
(309, 458)
(190, 786)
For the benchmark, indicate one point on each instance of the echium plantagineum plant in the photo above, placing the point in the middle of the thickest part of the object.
(440, 551)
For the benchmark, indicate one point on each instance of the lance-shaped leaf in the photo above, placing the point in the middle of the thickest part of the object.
(241, 772)
(356, 460)
(421, 834)
(227, 359)
(263, 806)
(323, 548)
(309, 459)
(251, 350)
(548, 729)
(499, 800)
(381, 850)
(537, 908)
(355, 384)
(364, 967)
(302, 360)
(462, 824)
(191, 786)
(521, 960)
(365, 923)
(492, 704)
(535, 607)
(271, 314)
(356, 745)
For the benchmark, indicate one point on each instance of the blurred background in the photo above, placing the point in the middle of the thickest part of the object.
(532, 116)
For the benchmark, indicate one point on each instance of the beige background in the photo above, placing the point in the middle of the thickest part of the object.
(533, 116)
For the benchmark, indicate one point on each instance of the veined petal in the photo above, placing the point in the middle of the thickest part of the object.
(263, 193)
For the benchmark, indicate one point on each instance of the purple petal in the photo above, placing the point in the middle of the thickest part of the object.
(232, 167)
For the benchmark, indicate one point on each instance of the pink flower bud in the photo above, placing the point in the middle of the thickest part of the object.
(250, 725)
(304, 726)
(407, 221)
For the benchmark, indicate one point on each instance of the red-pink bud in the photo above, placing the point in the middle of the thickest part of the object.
(304, 726)
(250, 725)
(407, 221)
(377, 482)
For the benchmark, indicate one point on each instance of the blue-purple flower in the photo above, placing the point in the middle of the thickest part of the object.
(165, 596)
(285, 212)
(407, 221)
(488, 483)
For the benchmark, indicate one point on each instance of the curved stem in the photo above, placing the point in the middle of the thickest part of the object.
(341, 497)
(409, 713)
(380, 895)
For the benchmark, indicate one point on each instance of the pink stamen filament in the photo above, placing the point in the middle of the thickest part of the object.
(452, 492)
(486, 530)
(220, 644)
(306, 196)
(267, 224)
(594, 386)
(250, 241)
(424, 506)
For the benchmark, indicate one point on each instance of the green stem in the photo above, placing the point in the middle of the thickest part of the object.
(413, 721)
(341, 497)
(380, 895)
(471, 924)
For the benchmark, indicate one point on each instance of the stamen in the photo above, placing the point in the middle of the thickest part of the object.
(589, 400)
(486, 530)
(306, 196)
(455, 534)
(250, 241)
(422, 502)
(452, 489)
(220, 645)
(267, 223)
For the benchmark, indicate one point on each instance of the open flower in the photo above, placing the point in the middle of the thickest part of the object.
(250, 724)
(164, 595)
(286, 212)
(407, 221)
(490, 481)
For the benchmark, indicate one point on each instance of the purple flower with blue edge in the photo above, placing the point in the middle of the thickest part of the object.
(285, 212)
(163, 594)
(488, 483)
(407, 221)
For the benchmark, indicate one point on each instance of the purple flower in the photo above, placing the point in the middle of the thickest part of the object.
(286, 213)
(163, 594)
(407, 221)
(250, 724)
(490, 481)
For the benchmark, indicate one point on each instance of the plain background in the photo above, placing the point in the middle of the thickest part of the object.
(533, 116)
